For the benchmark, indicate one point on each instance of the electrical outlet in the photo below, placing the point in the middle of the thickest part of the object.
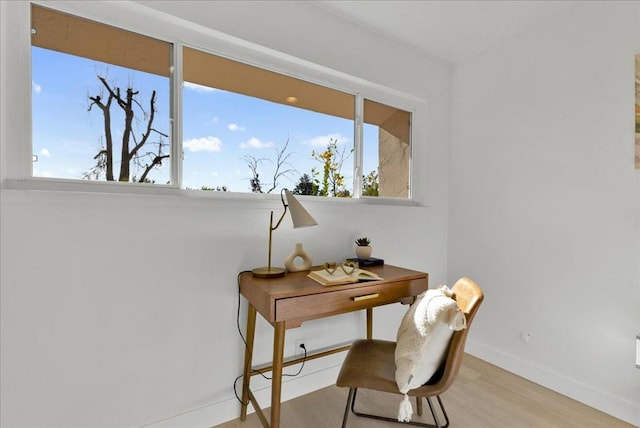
(299, 352)
(525, 337)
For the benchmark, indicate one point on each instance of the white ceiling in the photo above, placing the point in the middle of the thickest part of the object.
(452, 30)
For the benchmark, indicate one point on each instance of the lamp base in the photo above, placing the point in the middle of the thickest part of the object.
(265, 272)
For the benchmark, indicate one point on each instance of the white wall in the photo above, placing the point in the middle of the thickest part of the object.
(120, 310)
(544, 203)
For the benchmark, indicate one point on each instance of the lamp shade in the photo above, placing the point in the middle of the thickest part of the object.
(299, 216)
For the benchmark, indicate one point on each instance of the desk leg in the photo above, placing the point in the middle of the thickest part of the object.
(276, 383)
(248, 354)
(369, 323)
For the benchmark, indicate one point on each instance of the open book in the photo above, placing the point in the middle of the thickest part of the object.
(338, 276)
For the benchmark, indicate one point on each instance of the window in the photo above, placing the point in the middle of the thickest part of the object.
(102, 111)
(249, 129)
(387, 130)
(100, 101)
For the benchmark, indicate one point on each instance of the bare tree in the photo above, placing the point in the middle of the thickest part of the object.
(131, 149)
(254, 181)
(281, 169)
(281, 160)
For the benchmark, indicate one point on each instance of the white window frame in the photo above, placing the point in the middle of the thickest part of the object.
(17, 139)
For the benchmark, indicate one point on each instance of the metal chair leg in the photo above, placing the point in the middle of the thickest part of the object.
(435, 415)
(433, 412)
(351, 402)
(352, 393)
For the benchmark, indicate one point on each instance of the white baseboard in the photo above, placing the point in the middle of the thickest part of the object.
(315, 376)
(605, 402)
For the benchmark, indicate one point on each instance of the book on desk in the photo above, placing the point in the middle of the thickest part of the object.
(371, 261)
(339, 277)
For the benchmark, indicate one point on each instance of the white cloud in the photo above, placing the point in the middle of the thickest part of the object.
(254, 143)
(45, 152)
(198, 88)
(204, 144)
(36, 88)
(235, 127)
(215, 119)
(203, 173)
(38, 173)
(323, 140)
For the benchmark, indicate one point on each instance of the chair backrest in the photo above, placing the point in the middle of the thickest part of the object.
(469, 296)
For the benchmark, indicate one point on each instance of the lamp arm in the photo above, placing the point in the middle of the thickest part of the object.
(272, 227)
(283, 212)
(280, 220)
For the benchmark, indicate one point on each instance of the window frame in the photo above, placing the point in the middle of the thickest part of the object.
(152, 23)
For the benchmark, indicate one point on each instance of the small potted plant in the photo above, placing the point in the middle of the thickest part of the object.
(363, 248)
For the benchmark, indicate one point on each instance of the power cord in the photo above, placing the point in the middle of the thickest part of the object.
(235, 382)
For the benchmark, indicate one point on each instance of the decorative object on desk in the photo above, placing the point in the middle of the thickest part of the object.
(298, 252)
(371, 261)
(363, 248)
(346, 267)
(342, 273)
(300, 218)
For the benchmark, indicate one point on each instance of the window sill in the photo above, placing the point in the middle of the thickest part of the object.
(153, 190)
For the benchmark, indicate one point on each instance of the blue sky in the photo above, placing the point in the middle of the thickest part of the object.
(220, 128)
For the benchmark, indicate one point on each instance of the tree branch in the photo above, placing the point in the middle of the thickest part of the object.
(107, 165)
(147, 133)
(156, 161)
(254, 181)
(281, 159)
(113, 94)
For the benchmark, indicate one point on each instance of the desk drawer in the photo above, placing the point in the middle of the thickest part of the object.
(346, 300)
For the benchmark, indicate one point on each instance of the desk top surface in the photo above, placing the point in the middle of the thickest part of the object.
(264, 293)
(295, 284)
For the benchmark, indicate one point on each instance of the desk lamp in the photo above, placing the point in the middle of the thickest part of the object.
(300, 218)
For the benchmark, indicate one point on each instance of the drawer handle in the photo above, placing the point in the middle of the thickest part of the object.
(366, 297)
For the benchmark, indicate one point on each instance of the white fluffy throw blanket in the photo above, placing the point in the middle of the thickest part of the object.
(422, 341)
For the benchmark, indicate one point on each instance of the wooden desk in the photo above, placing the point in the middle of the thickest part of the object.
(288, 301)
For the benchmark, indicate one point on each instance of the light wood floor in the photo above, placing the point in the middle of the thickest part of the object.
(483, 395)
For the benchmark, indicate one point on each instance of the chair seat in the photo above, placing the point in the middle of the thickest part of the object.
(370, 364)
